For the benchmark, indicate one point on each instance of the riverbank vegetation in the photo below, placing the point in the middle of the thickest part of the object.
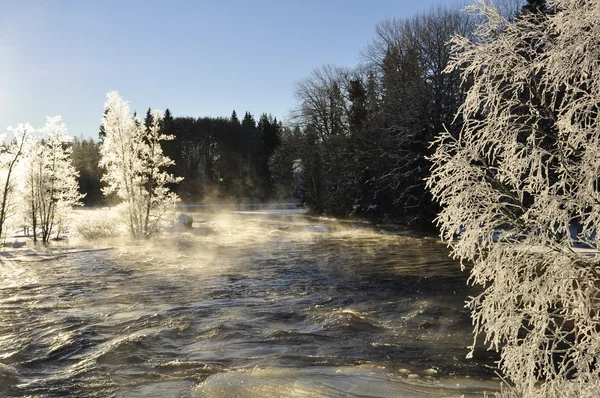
(38, 181)
(519, 187)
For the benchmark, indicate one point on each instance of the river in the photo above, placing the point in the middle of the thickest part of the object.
(246, 304)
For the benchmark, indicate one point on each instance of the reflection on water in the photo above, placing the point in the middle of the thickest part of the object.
(248, 304)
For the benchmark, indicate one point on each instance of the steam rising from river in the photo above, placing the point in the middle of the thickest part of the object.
(244, 304)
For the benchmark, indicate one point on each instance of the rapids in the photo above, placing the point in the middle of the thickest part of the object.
(246, 304)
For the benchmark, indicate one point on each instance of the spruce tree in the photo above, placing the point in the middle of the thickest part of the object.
(234, 118)
(149, 119)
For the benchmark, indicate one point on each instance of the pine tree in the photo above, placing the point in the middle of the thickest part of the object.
(250, 143)
(234, 118)
(149, 120)
(102, 132)
(167, 121)
(85, 159)
(357, 94)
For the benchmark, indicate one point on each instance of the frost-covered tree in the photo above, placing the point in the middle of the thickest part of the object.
(31, 171)
(50, 179)
(10, 155)
(520, 190)
(135, 166)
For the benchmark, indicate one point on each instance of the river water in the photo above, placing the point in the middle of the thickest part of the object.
(246, 304)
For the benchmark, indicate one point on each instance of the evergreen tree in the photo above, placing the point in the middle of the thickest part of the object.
(102, 131)
(248, 122)
(234, 118)
(170, 147)
(357, 94)
(268, 130)
(167, 121)
(149, 119)
(85, 158)
(251, 143)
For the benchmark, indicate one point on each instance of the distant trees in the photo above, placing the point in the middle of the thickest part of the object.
(322, 105)
(286, 168)
(223, 158)
(519, 187)
(219, 159)
(268, 131)
(323, 118)
(136, 166)
(365, 132)
(85, 158)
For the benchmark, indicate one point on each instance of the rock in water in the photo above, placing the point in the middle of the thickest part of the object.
(183, 222)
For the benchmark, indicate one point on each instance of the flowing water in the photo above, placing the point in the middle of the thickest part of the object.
(252, 304)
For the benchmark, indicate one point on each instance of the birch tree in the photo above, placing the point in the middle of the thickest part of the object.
(520, 191)
(10, 155)
(52, 179)
(135, 167)
(31, 170)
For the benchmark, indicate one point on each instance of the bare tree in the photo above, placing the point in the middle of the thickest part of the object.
(323, 103)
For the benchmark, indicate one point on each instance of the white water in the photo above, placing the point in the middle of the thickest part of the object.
(245, 305)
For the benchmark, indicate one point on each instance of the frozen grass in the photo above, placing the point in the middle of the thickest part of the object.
(98, 224)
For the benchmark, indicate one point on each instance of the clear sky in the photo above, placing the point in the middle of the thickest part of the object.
(197, 58)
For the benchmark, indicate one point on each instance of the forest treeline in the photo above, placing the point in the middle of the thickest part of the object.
(356, 143)
(362, 136)
(220, 159)
(363, 133)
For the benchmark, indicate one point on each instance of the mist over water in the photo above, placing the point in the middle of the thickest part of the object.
(245, 304)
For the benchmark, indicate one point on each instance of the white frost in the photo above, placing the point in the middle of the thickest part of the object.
(526, 166)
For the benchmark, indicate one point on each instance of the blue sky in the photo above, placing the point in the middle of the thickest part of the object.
(197, 58)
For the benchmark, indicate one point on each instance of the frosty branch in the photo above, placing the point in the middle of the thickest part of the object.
(519, 187)
(135, 166)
